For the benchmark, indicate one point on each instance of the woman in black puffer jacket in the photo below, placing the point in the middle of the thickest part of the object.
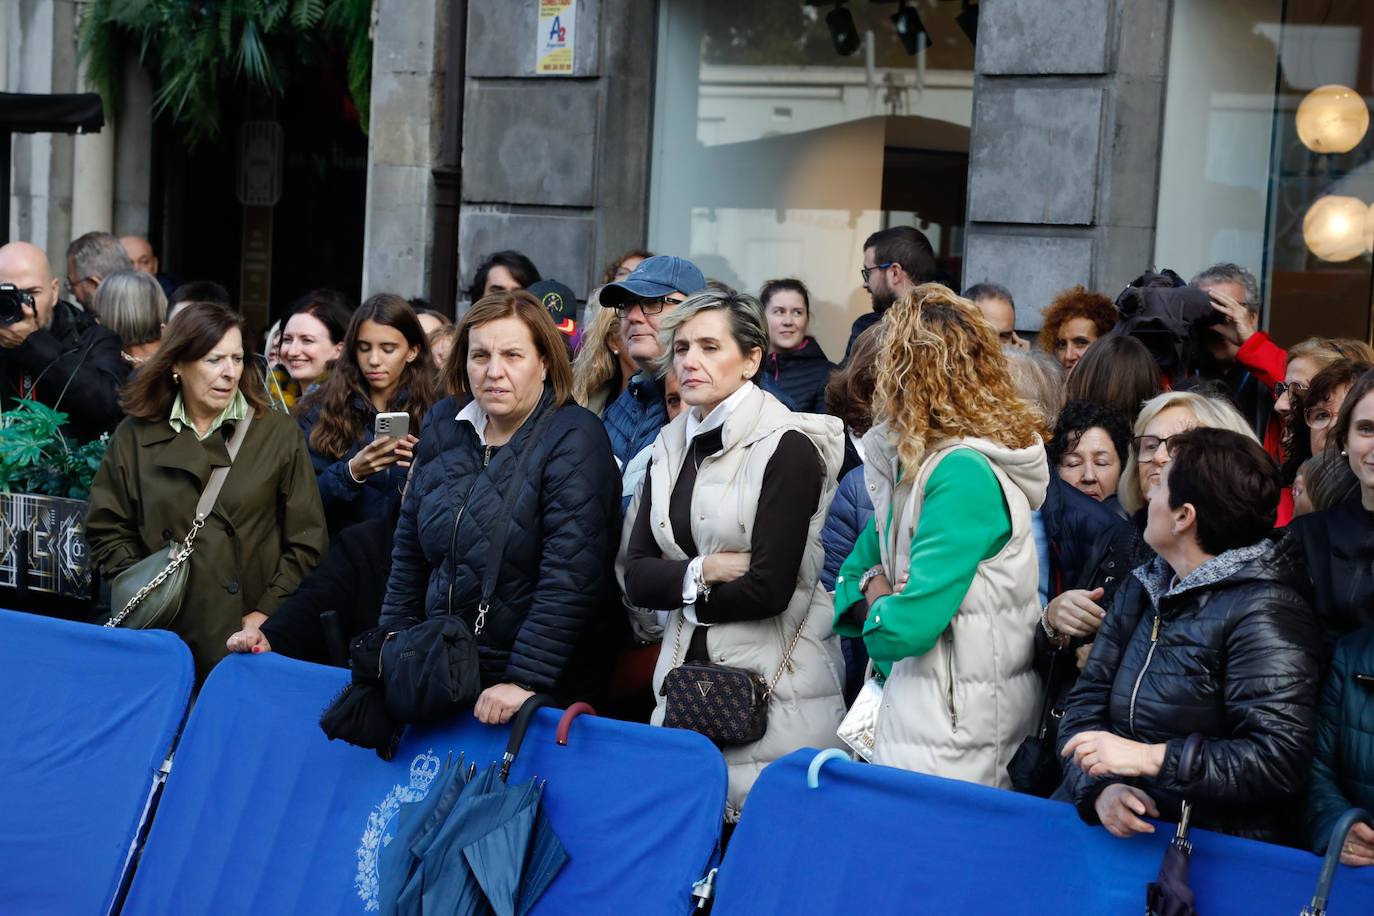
(1214, 638)
(547, 628)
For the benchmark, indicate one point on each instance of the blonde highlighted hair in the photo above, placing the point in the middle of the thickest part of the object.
(1210, 413)
(941, 375)
(596, 368)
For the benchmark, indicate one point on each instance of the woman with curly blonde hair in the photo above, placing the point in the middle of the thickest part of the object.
(1073, 321)
(955, 467)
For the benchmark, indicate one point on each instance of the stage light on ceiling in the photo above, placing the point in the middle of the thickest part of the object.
(844, 34)
(907, 22)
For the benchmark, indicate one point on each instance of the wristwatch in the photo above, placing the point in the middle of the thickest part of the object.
(868, 577)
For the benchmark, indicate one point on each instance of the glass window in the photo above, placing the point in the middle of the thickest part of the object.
(774, 156)
(1267, 155)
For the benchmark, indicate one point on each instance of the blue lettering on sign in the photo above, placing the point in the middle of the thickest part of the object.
(556, 31)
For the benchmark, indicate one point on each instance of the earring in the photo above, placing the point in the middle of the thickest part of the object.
(176, 379)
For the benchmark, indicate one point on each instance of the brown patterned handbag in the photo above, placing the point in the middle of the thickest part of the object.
(727, 705)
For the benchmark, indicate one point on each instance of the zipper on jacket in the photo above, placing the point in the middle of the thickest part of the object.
(949, 676)
(1154, 643)
(486, 456)
(457, 520)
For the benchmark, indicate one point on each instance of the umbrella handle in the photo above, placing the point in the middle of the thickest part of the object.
(522, 725)
(1189, 759)
(1333, 856)
(571, 713)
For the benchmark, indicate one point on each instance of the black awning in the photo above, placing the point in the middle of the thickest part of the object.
(41, 113)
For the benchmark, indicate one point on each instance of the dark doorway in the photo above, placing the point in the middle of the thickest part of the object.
(318, 222)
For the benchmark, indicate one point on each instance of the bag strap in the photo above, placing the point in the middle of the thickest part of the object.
(786, 658)
(219, 475)
(492, 573)
(1049, 695)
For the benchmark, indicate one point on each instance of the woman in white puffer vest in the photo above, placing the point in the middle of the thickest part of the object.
(726, 534)
(955, 467)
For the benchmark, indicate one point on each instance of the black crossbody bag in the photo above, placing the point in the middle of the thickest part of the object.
(727, 705)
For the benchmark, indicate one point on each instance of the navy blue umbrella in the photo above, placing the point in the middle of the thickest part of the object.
(1171, 894)
(416, 824)
(496, 852)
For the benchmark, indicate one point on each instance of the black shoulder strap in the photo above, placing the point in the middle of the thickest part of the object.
(498, 535)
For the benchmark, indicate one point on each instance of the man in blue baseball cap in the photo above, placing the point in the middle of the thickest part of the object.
(652, 289)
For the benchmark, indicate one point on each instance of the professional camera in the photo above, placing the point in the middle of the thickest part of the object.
(12, 302)
(1168, 316)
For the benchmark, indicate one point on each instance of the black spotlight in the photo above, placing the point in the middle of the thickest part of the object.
(907, 22)
(968, 22)
(844, 34)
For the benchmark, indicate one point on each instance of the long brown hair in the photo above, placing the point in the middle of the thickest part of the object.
(193, 331)
(548, 342)
(340, 424)
(942, 375)
(849, 393)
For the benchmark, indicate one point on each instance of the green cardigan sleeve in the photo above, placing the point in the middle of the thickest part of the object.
(964, 521)
(861, 559)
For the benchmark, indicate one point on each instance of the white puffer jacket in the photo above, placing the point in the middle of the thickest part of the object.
(961, 709)
(807, 705)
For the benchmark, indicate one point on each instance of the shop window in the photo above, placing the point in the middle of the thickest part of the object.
(1267, 158)
(775, 156)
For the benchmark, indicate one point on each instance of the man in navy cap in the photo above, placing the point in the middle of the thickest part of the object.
(651, 290)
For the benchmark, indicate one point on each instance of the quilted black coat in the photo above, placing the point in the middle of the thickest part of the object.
(549, 626)
(1238, 659)
(1339, 546)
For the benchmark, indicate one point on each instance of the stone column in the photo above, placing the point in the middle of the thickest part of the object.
(1065, 147)
(403, 143)
(556, 167)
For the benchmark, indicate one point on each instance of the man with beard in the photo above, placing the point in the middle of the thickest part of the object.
(896, 261)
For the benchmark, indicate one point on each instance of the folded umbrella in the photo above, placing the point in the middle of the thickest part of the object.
(496, 853)
(410, 900)
(1171, 894)
(397, 862)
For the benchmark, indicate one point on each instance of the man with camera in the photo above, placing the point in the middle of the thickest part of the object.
(51, 351)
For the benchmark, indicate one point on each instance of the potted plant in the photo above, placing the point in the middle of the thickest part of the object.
(45, 480)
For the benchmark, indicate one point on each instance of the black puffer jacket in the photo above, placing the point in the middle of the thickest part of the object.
(1237, 657)
(1339, 546)
(549, 623)
(1074, 522)
(802, 375)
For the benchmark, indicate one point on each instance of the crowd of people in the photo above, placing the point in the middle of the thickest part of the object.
(1037, 565)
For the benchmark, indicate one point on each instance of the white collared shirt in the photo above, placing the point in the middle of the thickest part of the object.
(696, 427)
(477, 417)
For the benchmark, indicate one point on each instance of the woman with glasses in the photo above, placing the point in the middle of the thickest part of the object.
(1305, 361)
(1073, 618)
(1339, 542)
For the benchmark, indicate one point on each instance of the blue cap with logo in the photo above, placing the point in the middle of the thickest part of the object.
(654, 278)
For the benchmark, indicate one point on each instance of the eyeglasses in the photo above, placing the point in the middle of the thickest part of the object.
(1147, 446)
(649, 306)
(865, 271)
(1294, 389)
(1318, 417)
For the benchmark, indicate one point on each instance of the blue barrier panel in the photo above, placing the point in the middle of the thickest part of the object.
(878, 840)
(88, 716)
(262, 814)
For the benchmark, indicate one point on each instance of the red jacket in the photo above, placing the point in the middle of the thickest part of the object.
(1269, 362)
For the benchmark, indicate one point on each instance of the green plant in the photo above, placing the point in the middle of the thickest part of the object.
(194, 47)
(37, 457)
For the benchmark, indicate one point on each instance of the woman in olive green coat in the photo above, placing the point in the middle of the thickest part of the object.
(267, 528)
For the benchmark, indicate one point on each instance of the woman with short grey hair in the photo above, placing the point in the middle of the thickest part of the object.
(133, 305)
(726, 538)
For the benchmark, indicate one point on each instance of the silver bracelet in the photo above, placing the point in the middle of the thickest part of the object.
(703, 590)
